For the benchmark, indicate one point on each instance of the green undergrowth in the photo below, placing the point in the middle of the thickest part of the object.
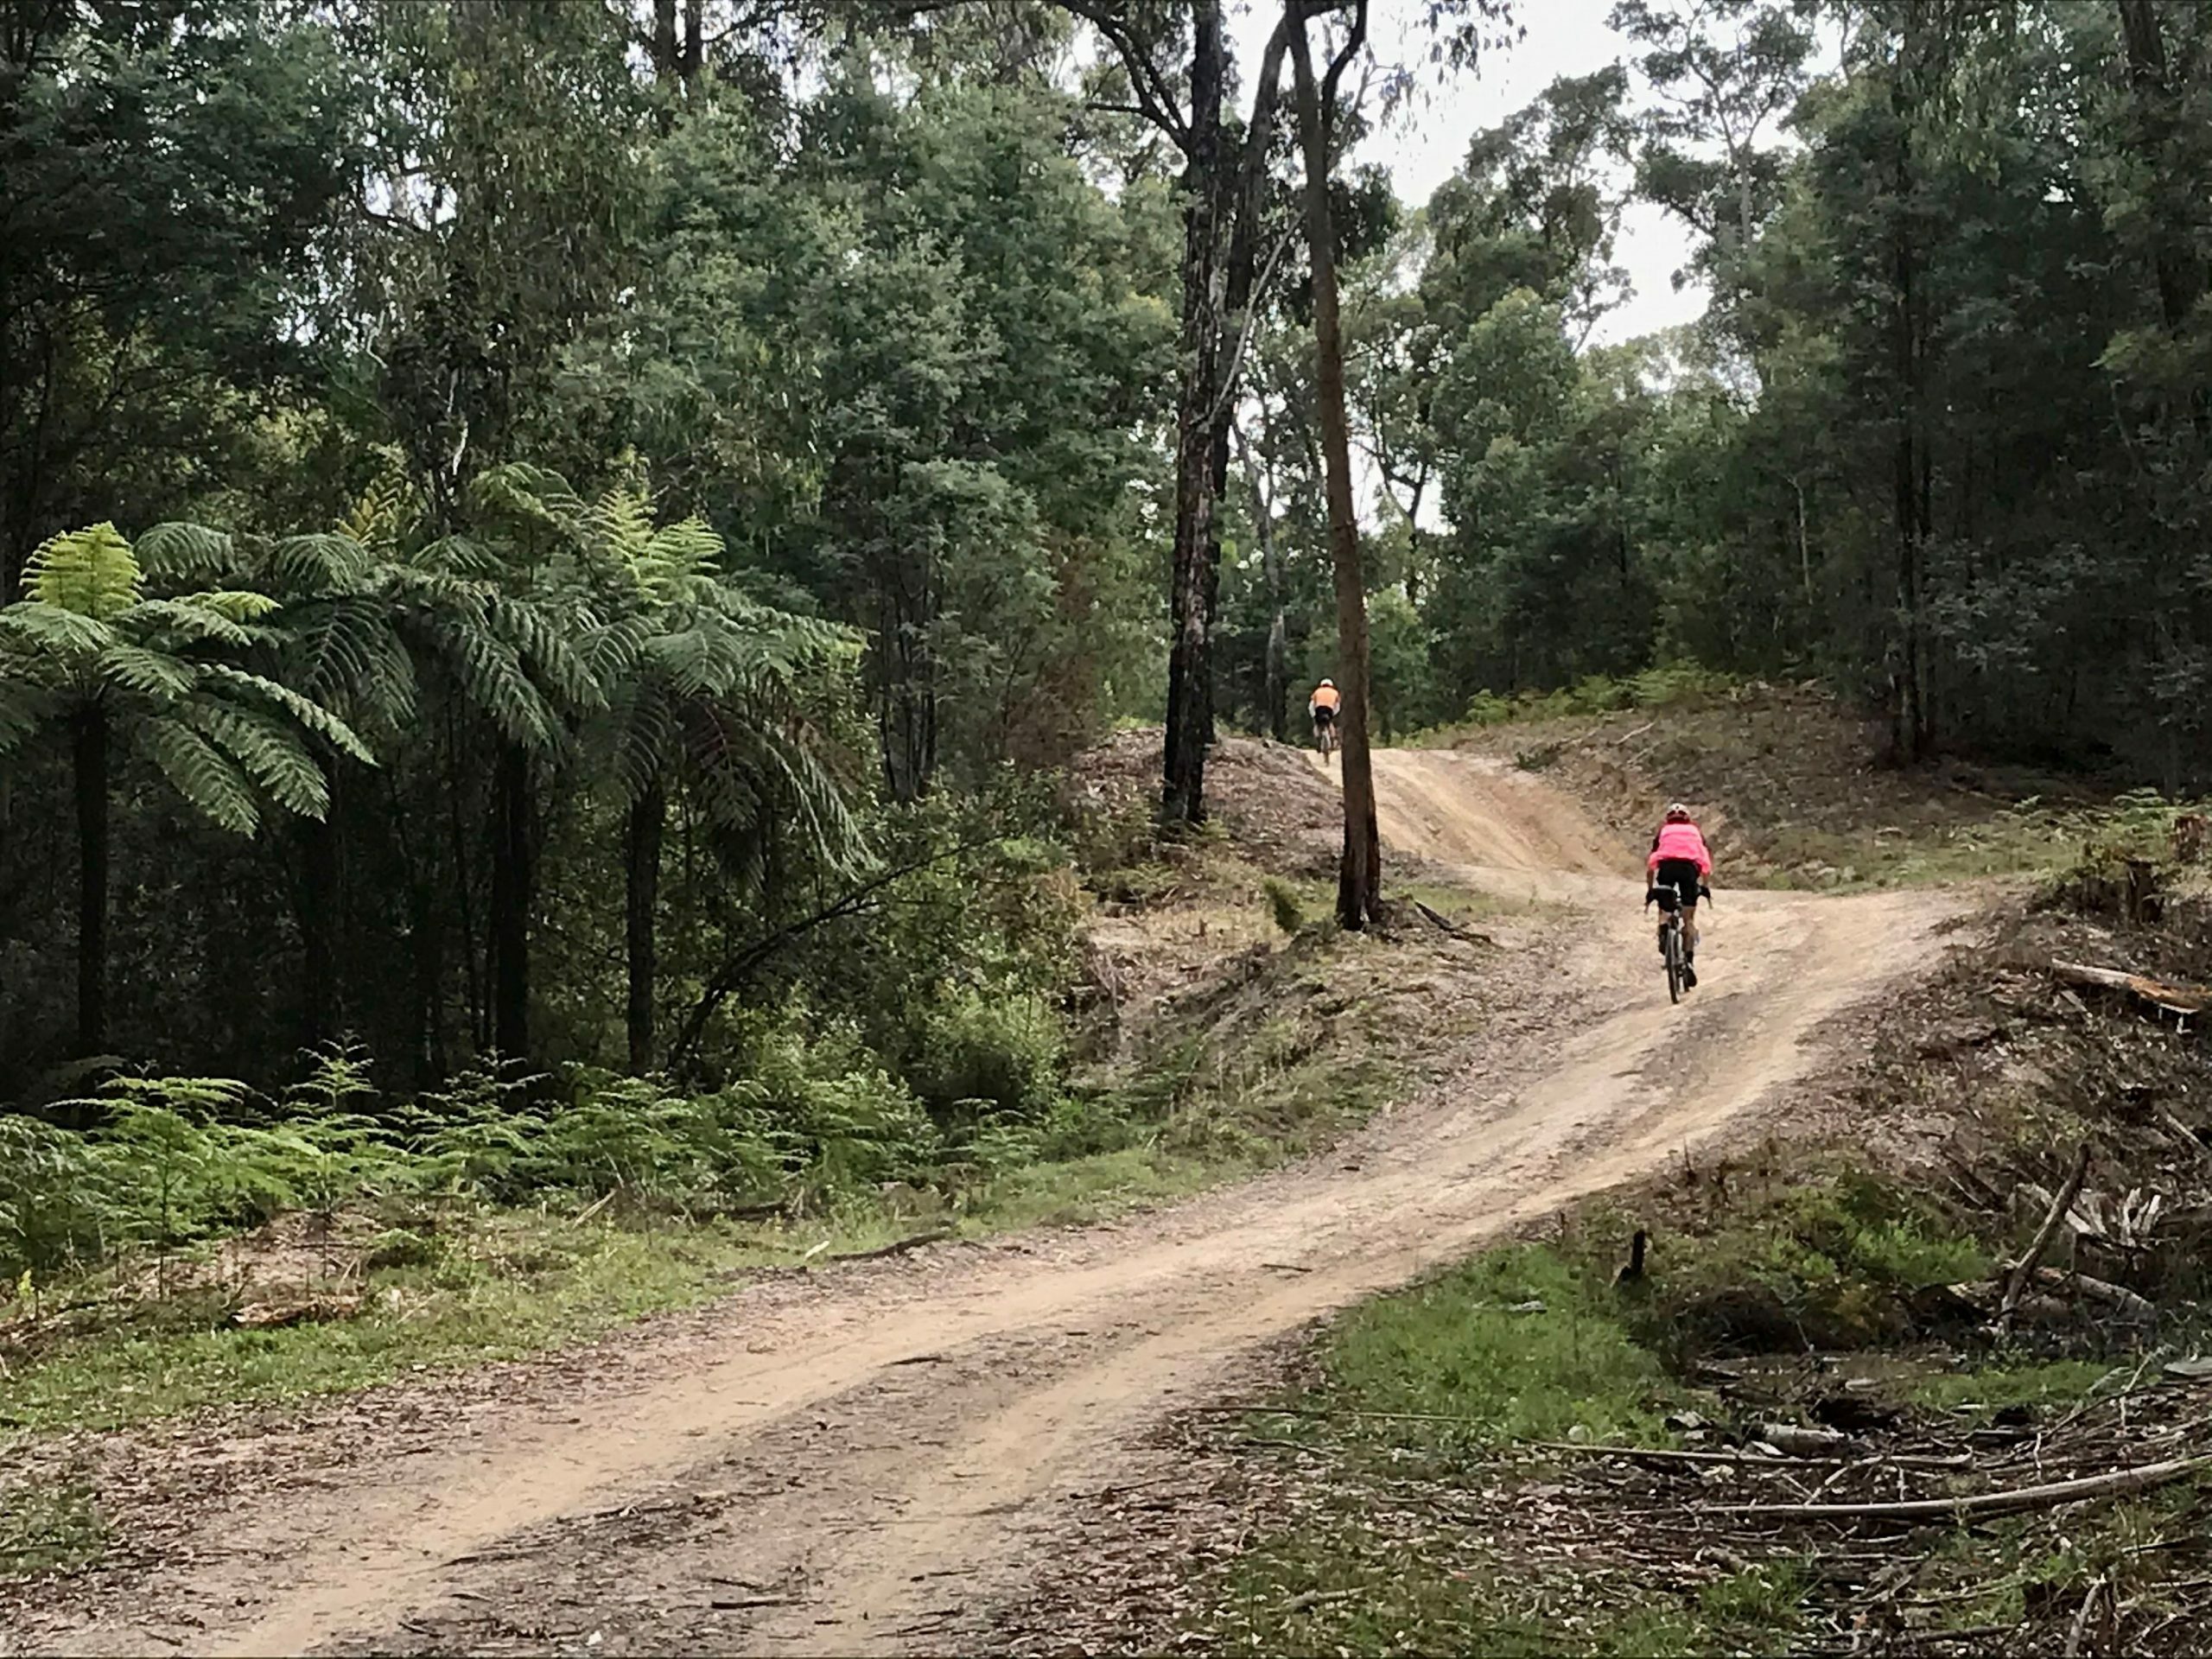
(47, 1530)
(1435, 1424)
(493, 1226)
(1672, 686)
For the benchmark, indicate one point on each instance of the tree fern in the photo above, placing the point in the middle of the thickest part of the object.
(89, 573)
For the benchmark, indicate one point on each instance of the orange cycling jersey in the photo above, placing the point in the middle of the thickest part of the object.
(1326, 697)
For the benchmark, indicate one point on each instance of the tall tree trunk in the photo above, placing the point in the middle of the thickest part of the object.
(664, 47)
(641, 900)
(320, 889)
(1274, 704)
(695, 42)
(2180, 275)
(89, 758)
(513, 885)
(1190, 680)
(1359, 880)
(1910, 731)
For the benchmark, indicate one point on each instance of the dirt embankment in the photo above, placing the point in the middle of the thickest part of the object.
(872, 1461)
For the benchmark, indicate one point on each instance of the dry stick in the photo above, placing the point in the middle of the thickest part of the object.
(2183, 999)
(2122, 1483)
(936, 1235)
(1751, 1460)
(2076, 1636)
(2016, 1284)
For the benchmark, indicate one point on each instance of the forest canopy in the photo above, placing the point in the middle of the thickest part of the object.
(581, 533)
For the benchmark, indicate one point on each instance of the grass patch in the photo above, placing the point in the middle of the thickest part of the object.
(1518, 1344)
(1983, 1393)
(49, 1530)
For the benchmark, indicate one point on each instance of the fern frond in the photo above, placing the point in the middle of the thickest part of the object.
(491, 674)
(191, 624)
(209, 780)
(644, 737)
(345, 651)
(173, 553)
(380, 518)
(153, 674)
(267, 751)
(310, 714)
(50, 629)
(544, 644)
(621, 525)
(458, 556)
(525, 494)
(91, 572)
(328, 562)
(25, 706)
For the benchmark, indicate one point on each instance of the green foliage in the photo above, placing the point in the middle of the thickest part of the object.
(1002, 1055)
(1284, 904)
(1517, 1344)
(46, 1529)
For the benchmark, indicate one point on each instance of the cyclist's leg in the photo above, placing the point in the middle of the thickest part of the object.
(1689, 929)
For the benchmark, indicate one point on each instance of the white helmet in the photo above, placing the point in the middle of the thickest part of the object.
(1331, 685)
(1678, 813)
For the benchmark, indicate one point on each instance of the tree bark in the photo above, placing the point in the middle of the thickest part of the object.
(320, 887)
(1911, 732)
(641, 897)
(1190, 679)
(90, 762)
(1275, 691)
(663, 47)
(513, 883)
(694, 43)
(1360, 873)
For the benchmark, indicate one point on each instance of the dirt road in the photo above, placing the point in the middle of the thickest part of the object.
(865, 1464)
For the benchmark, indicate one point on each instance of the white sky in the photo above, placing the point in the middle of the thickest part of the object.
(1425, 145)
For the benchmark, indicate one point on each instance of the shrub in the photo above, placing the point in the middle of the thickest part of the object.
(1282, 901)
(1005, 1053)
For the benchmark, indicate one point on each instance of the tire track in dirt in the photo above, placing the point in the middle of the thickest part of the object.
(870, 1468)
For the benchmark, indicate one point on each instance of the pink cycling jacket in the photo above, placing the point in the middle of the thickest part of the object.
(1680, 840)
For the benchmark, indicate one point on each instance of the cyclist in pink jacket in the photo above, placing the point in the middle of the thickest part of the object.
(1681, 860)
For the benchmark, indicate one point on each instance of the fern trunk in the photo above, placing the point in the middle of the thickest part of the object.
(89, 761)
(648, 817)
(513, 883)
(319, 890)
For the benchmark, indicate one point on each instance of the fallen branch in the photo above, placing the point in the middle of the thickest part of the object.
(2122, 1483)
(1438, 919)
(1753, 1459)
(2024, 1271)
(2184, 1000)
(935, 1236)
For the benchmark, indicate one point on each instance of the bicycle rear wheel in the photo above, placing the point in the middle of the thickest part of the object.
(1673, 962)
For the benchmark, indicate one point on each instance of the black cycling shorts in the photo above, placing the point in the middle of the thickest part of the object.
(1324, 717)
(1682, 875)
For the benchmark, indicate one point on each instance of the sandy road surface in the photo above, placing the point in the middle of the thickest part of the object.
(867, 1466)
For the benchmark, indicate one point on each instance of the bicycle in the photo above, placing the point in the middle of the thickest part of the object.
(1670, 937)
(1324, 737)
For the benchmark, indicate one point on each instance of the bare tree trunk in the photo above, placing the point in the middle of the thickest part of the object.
(641, 900)
(694, 56)
(513, 887)
(664, 41)
(1910, 731)
(89, 775)
(1274, 696)
(1190, 679)
(1359, 881)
